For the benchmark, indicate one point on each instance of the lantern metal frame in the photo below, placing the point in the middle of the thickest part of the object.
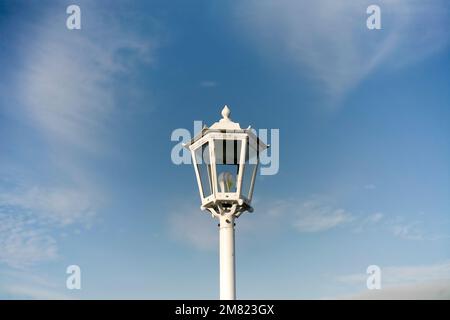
(226, 205)
(218, 202)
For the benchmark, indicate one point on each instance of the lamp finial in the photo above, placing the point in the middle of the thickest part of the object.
(226, 123)
(226, 112)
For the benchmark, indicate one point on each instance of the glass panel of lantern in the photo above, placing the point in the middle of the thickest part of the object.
(250, 170)
(228, 153)
(203, 163)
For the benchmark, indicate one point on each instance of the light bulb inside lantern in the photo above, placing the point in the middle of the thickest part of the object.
(226, 181)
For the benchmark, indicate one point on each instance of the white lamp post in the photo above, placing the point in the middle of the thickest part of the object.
(226, 159)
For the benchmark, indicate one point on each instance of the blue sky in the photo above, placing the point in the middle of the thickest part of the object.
(86, 176)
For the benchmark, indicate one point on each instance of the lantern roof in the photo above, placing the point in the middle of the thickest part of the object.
(226, 125)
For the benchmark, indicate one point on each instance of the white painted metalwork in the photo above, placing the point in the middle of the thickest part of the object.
(222, 156)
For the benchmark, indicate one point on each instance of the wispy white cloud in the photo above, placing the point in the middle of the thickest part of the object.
(404, 282)
(208, 83)
(412, 229)
(194, 228)
(426, 291)
(23, 284)
(66, 88)
(68, 79)
(363, 223)
(59, 206)
(24, 240)
(408, 231)
(329, 40)
(197, 229)
(401, 275)
(311, 214)
(28, 217)
(25, 292)
(315, 216)
(318, 213)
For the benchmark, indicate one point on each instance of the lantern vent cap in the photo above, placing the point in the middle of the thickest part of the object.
(226, 123)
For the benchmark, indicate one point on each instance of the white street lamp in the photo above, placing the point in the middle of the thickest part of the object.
(226, 159)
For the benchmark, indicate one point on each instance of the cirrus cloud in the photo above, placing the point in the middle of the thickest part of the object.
(329, 42)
